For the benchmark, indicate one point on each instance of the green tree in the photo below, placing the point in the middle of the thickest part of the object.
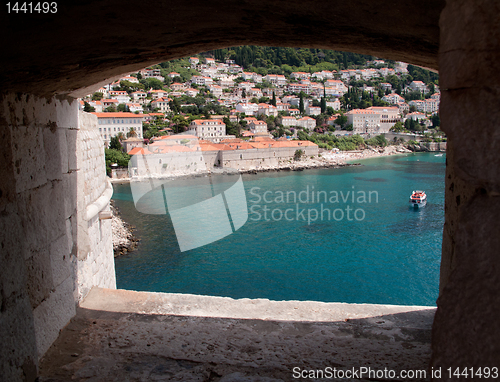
(301, 103)
(113, 156)
(179, 123)
(436, 121)
(341, 121)
(273, 100)
(122, 107)
(97, 96)
(132, 133)
(115, 144)
(323, 105)
(398, 127)
(87, 108)
(298, 155)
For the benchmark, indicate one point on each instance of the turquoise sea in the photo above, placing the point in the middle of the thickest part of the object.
(377, 251)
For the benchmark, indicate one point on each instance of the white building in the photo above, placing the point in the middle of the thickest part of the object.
(152, 73)
(247, 108)
(418, 86)
(430, 105)
(307, 123)
(297, 88)
(210, 129)
(363, 121)
(226, 82)
(393, 98)
(276, 79)
(139, 96)
(313, 110)
(216, 90)
(335, 105)
(258, 127)
(133, 107)
(120, 96)
(300, 75)
(161, 104)
(288, 121)
(267, 109)
(111, 124)
(201, 80)
(389, 115)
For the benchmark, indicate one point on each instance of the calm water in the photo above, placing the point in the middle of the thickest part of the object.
(384, 252)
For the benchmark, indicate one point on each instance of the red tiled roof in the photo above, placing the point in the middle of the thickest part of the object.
(117, 115)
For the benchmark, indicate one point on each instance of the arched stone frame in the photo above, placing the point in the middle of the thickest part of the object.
(49, 62)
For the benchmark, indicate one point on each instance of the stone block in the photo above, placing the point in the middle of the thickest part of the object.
(12, 252)
(477, 161)
(56, 211)
(71, 139)
(53, 314)
(67, 112)
(8, 183)
(468, 69)
(70, 193)
(39, 276)
(61, 260)
(466, 330)
(56, 152)
(478, 29)
(33, 209)
(28, 157)
(17, 332)
(45, 111)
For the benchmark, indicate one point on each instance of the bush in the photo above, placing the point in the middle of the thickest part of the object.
(298, 154)
(113, 156)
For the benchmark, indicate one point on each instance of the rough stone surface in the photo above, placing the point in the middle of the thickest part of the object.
(405, 30)
(137, 336)
(38, 205)
(466, 330)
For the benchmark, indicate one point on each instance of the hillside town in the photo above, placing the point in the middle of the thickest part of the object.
(228, 108)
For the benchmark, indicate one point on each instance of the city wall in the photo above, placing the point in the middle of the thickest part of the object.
(48, 187)
(253, 158)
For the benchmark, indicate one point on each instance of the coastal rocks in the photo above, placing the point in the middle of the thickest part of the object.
(124, 240)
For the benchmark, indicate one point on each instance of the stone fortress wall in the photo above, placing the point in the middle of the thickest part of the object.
(273, 156)
(54, 247)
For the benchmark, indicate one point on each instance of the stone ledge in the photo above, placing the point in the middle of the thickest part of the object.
(126, 301)
(101, 202)
(120, 335)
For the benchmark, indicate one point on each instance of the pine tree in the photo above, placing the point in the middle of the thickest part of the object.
(323, 105)
(273, 101)
(301, 103)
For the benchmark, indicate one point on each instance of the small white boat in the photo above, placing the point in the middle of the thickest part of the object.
(438, 155)
(418, 199)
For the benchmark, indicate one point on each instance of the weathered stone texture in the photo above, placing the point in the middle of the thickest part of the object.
(466, 329)
(96, 265)
(120, 335)
(38, 203)
(405, 30)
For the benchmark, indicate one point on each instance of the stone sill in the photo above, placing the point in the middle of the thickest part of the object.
(126, 301)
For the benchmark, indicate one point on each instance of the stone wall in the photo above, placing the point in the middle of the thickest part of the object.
(39, 226)
(95, 266)
(248, 159)
(466, 329)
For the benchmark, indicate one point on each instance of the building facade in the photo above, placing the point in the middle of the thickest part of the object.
(111, 124)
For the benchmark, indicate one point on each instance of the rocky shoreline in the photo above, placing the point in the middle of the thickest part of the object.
(124, 240)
